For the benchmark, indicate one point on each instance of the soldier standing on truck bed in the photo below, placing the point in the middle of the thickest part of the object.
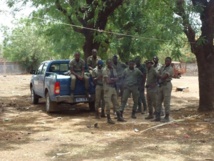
(97, 75)
(77, 69)
(110, 94)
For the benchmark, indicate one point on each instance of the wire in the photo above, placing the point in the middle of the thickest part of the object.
(109, 32)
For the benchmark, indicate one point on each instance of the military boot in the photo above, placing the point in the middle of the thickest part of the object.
(157, 117)
(109, 120)
(150, 116)
(166, 118)
(133, 114)
(97, 114)
(119, 118)
(121, 114)
(103, 113)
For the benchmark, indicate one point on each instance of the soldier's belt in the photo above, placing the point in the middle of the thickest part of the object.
(163, 83)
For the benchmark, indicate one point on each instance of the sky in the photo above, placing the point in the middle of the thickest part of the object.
(8, 15)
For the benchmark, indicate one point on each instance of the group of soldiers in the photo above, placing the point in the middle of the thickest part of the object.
(116, 79)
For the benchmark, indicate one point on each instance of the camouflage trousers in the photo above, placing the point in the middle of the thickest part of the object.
(152, 99)
(99, 97)
(126, 93)
(73, 81)
(164, 96)
(141, 100)
(110, 95)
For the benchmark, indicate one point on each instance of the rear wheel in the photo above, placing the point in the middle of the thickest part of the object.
(50, 105)
(92, 106)
(34, 97)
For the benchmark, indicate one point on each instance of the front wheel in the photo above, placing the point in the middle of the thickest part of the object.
(34, 97)
(50, 105)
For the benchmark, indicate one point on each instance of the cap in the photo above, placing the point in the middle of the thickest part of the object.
(100, 62)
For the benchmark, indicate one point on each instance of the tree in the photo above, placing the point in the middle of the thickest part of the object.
(26, 46)
(145, 30)
(88, 15)
(201, 46)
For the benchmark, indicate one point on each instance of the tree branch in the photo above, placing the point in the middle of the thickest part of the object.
(111, 5)
(188, 30)
(65, 13)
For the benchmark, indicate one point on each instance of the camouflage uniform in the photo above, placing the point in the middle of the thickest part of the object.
(142, 98)
(165, 89)
(119, 67)
(99, 95)
(110, 94)
(131, 86)
(92, 62)
(78, 67)
(152, 89)
(157, 68)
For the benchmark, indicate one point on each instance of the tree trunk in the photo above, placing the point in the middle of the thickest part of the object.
(89, 44)
(206, 81)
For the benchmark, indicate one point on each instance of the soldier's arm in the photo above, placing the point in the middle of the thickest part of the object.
(72, 68)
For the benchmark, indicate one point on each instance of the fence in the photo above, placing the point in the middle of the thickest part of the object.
(191, 69)
(11, 68)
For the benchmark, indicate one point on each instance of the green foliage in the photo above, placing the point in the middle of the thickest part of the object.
(136, 28)
(148, 28)
(24, 45)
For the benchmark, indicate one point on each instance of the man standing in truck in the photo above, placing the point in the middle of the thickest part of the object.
(77, 69)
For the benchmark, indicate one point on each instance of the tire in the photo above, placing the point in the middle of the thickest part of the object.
(50, 106)
(91, 106)
(34, 97)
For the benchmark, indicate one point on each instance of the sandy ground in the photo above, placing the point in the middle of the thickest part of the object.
(27, 133)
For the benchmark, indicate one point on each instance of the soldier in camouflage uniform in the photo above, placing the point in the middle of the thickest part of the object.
(152, 87)
(97, 76)
(110, 94)
(157, 66)
(77, 70)
(92, 60)
(131, 76)
(165, 89)
(119, 67)
(142, 80)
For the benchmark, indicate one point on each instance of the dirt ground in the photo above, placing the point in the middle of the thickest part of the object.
(27, 133)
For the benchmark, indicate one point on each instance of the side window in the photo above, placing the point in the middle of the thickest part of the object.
(64, 67)
(39, 71)
(44, 68)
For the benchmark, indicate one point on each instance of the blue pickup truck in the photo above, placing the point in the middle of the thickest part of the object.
(50, 81)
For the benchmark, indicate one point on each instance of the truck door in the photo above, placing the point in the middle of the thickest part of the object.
(41, 79)
(36, 77)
